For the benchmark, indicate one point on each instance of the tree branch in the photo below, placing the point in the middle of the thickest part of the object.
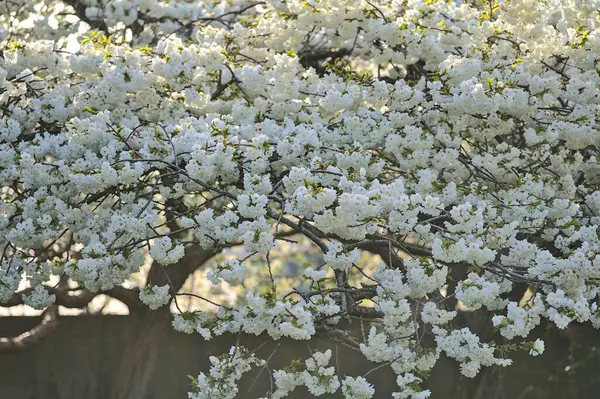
(176, 275)
(28, 338)
(80, 12)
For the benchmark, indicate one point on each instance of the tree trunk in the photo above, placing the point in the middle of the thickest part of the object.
(140, 355)
(151, 327)
(491, 384)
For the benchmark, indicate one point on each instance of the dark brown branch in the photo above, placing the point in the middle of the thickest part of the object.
(387, 253)
(300, 228)
(126, 295)
(364, 312)
(312, 58)
(79, 8)
(28, 338)
(176, 274)
(341, 336)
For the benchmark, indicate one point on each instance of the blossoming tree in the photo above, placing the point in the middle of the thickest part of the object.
(456, 140)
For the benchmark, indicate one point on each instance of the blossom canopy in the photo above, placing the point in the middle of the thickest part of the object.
(455, 140)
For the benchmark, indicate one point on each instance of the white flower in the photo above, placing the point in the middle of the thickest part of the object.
(231, 271)
(537, 348)
(432, 315)
(455, 140)
(155, 296)
(337, 259)
(39, 298)
(357, 388)
(285, 383)
(313, 274)
(162, 251)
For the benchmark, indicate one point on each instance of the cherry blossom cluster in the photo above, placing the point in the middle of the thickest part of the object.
(456, 141)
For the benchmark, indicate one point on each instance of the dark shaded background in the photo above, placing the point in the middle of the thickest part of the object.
(82, 358)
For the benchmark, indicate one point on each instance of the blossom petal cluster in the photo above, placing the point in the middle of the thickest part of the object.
(458, 143)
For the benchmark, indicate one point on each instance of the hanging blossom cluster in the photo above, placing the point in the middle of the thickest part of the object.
(457, 141)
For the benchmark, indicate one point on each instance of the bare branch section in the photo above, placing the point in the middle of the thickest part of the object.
(79, 8)
(31, 337)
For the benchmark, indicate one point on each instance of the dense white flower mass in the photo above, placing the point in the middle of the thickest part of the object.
(39, 298)
(316, 377)
(457, 141)
(221, 381)
(163, 252)
(155, 296)
(358, 388)
(231, 271)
